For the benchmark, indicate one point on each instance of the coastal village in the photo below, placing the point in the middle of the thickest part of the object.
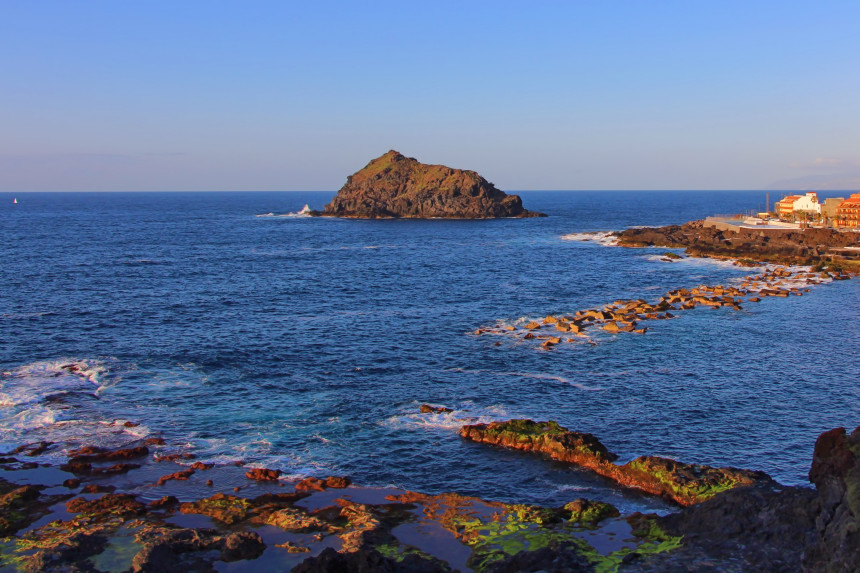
(804, 211)
(836, 212)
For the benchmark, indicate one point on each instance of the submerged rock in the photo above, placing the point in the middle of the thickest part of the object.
(682, 483)
(394, 185)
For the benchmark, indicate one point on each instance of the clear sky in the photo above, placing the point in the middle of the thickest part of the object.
(281, 95)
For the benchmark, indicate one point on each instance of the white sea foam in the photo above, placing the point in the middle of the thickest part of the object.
(535, 376)
(33, 382)
(41, 401)
(605, 238)
(304, 212)
(66, 435)
(467, 413)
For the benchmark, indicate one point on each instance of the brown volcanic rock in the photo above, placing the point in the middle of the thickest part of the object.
(836, 474)
(799, 246)
(685, 484)
(394, 185)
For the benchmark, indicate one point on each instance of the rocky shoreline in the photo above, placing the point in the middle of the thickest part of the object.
(124, 510)
(811, 247)
(149, 507)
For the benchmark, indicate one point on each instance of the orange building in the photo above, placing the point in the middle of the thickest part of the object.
(785, 206)
(848, 213)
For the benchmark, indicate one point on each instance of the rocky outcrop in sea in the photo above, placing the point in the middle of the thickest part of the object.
(396, 186)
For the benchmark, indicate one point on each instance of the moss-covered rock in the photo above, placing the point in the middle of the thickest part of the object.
(589, 512)
(682, 483)
(228, 509)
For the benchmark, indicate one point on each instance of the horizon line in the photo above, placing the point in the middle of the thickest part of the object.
(508, 191)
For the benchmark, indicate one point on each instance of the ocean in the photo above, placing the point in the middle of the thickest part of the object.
(308, 344)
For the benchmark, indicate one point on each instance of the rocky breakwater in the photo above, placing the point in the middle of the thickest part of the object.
(629, 315)
(787, 246)
(396, 186)
(685, 484)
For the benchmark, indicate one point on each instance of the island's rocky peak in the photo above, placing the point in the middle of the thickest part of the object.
(394, 185)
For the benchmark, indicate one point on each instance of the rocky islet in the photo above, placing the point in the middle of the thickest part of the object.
(396, 186)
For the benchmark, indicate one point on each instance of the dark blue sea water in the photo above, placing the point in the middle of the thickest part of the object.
(308, 344)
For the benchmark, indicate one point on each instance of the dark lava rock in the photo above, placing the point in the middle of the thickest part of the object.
(70, 553)
(366, 560)
(242, 545)
(836, 473)
(169, 550)
(565, 559)
(394, 185)
(760, 528)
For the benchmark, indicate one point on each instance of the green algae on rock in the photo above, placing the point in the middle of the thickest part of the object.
(682, 483)
(589, 512)
(393, 185)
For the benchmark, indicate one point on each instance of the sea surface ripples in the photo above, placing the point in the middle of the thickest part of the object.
(309, 344)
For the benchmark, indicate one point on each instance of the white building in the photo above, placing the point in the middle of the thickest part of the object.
(808, 203)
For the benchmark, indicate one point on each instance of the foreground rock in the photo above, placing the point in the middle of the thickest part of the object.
(836, 473)
(685, 484)
(397, 186)
(764, 527)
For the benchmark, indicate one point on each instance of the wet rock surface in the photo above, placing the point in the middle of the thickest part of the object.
(762, 527)
(394, 185)
(685, 484)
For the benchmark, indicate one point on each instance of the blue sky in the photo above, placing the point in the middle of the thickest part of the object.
(214, 95)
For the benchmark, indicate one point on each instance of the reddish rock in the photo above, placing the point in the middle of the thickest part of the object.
(35, 449)
(111, 504)
(86, 451)
(226, 508)
(337, 482)
(96, 488)
(77, 467)
(91, 454)
(180, 475)
(263, 474)
(165, 502)
(428, 409)
(311, 484)
(153, 442)
(174, 457)
(201, 466)
(72, 483)
(682, 483)
(114, 469)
